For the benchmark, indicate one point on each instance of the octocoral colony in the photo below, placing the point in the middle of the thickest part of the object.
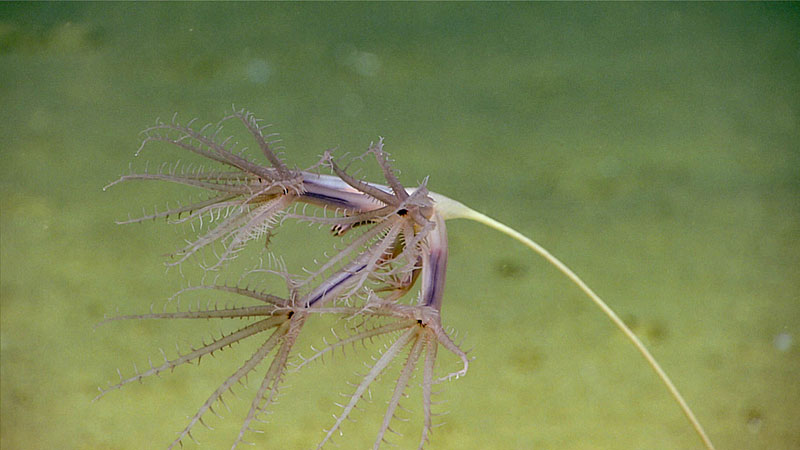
(386, 279)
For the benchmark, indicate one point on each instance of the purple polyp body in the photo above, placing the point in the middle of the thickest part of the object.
(394, 239)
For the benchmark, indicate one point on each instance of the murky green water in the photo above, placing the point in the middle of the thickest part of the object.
(654, 148)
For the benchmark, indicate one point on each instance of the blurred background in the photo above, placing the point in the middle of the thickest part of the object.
(652, 147)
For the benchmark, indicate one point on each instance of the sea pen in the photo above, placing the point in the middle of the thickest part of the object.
(394, 243)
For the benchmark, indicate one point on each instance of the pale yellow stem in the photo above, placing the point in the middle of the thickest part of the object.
(451, 209)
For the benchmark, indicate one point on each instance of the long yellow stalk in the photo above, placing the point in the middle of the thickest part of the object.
(451, 209)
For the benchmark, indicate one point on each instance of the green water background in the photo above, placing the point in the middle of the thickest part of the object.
(653, 147)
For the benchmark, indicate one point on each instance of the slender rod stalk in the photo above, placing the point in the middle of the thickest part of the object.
(451, 209)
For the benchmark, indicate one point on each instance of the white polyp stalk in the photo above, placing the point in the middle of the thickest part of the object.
(451, 209)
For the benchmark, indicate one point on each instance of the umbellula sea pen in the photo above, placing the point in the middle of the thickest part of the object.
(393, 240)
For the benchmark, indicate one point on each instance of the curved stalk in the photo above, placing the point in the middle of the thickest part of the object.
(451, 209)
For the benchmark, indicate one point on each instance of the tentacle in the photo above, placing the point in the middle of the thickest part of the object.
(198, 353)
(448, 343)
(362, 186)
(427, 388)
(261, 296)
(246, 368)
(260, 219)
(379, 366)
(249, 121)
(194, 208)
(388, 173)
(208, 146)
(269, 386)
(355, 338)
(194, 181)
(400, 387)
(241, 312)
